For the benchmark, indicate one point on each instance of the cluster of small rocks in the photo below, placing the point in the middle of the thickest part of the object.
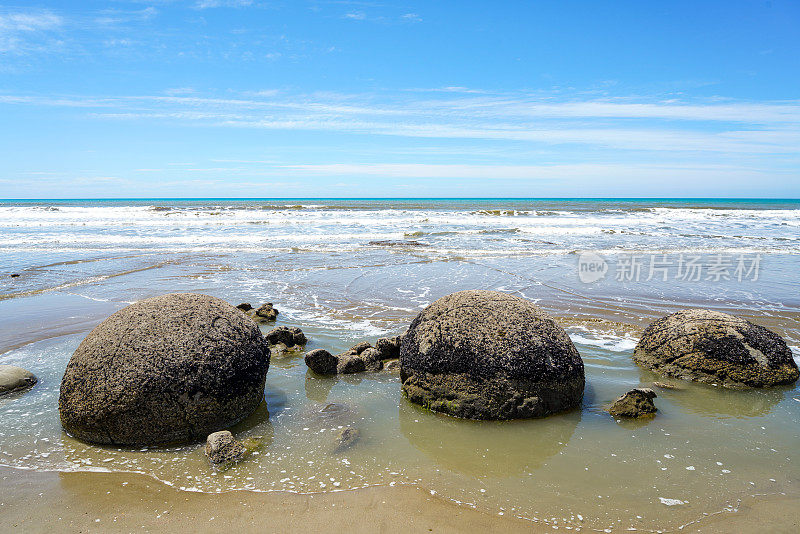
(359, 358)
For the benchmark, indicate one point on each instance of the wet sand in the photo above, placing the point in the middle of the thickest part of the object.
(46, 502)
(33, 501)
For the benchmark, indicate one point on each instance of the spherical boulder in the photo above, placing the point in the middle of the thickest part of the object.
(489, 355)
(171, 368)
(714, 347)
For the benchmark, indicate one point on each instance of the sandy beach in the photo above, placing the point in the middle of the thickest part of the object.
(115, 502)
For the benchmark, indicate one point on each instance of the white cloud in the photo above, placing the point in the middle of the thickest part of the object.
(356, 16)
(543, 121)
(27, 31)
(206, 4)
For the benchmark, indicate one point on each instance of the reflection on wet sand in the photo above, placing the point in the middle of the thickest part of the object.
(486, 448)
(709, 400)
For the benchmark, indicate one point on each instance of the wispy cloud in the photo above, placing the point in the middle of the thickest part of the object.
(206, 4)
(632, 123)
(28, 30)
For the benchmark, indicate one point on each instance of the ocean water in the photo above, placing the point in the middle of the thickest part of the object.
(351, 270)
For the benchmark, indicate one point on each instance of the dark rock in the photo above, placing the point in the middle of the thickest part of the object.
(358, 359)
(171, 368)
(13, 378)
(322, 362)
(389, 347)
(359, 348)
(263, 314)
(638, 402)
(713, 347)
(346, 438)
(489, 355)
(267, 312)
(288, 335)
(223, 448)
(350, 363)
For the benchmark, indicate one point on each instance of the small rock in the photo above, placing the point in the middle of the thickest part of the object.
(392, 365)
(223, 448)
(664, 385)
(13, 378)
(245, 306)
(372, 359)
(389, 347)
(267, 312)
(367, 360)
(347, 438)
(637, 402)
(322, 362)
(350, 363)
(359, 348)
(288, 335)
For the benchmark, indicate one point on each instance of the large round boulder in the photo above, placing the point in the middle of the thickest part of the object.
(489, 355)
(171, 368)
(714, 347)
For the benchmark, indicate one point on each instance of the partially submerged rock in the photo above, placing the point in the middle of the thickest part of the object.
(359, 358)
(389, 347)
(322, 362)
(346, 438)
(13, 378)
(638, 402)
(223, 448)
(288, 335)
(171, 368)
(392, 365)
(267, 312)
(713, 347)
(489, 355)
(263, 314)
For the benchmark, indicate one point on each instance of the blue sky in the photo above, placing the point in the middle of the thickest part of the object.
(244, 98)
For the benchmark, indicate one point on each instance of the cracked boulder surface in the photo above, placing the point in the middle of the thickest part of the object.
(489, 355)
(714, 347)
(167, 369)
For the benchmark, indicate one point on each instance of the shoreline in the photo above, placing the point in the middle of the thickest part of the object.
(86, 501)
